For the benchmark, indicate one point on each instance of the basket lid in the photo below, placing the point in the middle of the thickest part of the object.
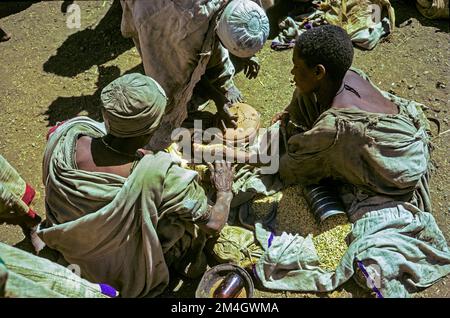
(248, 122)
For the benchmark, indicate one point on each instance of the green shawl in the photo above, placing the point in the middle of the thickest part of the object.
(121, 231)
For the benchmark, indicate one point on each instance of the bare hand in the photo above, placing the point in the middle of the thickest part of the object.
(221, 175)
(251, 67)
(233, 95)
(225, 115)
(282, 116)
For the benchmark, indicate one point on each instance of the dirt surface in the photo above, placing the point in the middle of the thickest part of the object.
(50, 73)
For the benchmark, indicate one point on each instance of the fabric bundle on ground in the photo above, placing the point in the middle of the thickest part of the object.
(402, 242)
(365, 21)
(236, 245)
(123, 232)
(434, 9)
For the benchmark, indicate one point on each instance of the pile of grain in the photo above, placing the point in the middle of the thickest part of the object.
(293, 216)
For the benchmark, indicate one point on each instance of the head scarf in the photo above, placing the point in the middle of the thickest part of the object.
(243, 28)
(133, 105)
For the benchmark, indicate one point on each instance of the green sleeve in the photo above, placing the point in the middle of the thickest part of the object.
(7, 197)
(303, 112)
(220, 69)
(310, 154)
(183, 195)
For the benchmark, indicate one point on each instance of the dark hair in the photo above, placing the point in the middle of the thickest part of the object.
(328, 45)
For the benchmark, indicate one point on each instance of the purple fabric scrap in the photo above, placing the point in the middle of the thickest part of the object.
(108, 290)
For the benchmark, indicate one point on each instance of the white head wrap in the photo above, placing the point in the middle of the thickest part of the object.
(243, 28)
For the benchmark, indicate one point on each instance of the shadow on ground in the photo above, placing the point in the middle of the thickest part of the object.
(90, 47)
(12, 7)
(64, 108)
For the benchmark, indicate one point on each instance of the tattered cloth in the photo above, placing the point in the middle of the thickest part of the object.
(402, 244)
(433, 9)
(383, 162)
(380, 154)
(365, 21)
(27, 276)
(176, 40)
(125, 232)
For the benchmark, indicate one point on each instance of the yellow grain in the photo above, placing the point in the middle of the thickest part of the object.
(294, 216)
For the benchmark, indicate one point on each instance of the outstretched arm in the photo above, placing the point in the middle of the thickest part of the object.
(222, 102)
(222, 179)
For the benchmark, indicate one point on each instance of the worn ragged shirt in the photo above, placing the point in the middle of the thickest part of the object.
(125, 232)
(378, 154)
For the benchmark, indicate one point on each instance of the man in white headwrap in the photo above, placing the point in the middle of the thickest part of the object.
(124, 215)
(184, 44)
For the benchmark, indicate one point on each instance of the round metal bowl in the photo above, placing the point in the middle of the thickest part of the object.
(214, 276)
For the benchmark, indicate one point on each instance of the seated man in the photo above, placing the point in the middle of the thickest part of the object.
(186, 45)
(341, 127)
(124, 214)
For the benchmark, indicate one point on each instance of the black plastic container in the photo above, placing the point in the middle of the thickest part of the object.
(323, 201)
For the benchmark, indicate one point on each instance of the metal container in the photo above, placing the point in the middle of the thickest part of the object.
(214, 277)
(323, 201)
(230, 287)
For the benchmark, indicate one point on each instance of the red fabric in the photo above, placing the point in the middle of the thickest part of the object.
(52, 129)
(27, 198)
(31, 214)
(29, 194)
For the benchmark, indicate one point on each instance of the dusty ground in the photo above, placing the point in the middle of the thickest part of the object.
(51, 73)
